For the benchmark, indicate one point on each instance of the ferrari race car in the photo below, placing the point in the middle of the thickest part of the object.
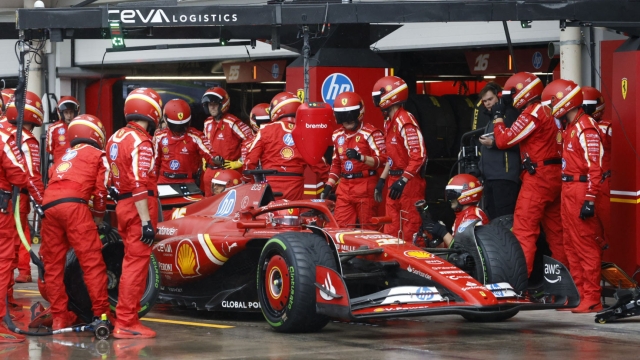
(243, 251)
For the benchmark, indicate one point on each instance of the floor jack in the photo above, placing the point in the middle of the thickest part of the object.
(626, 293)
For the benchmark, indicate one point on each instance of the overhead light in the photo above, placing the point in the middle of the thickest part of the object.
(428, 81)
(489, 76)
(273, 82)
(175, 78)
(38, 4)
(542, 73)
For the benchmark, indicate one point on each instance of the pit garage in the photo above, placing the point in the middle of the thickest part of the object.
(99, 51)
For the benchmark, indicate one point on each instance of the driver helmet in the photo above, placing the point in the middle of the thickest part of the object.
(286, 217)
(227, 178)
(464, 188)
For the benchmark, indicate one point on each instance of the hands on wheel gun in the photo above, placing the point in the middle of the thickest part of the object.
(432, 233)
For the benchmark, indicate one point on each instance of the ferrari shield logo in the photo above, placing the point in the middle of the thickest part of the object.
(300, 95)
(625, 87)
(180, 115)
(344, 101)
(358, 138)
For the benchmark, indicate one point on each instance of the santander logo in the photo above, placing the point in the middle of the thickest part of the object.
(316, 126)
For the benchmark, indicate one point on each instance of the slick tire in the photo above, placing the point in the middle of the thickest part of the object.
(503, 257)
(286, 281)
(542, 248)
(113, 254)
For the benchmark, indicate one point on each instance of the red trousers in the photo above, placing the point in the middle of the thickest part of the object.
(136, 259)
(538, 205)
(355, 202)
(403, 210)
(291, 187)
(24, 260)
(583, 251)
(603, 211)
(7, 256)
(71, 225)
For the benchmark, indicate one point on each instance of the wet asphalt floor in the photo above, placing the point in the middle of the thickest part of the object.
(189, 334)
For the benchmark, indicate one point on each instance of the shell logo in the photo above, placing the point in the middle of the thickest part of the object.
(235, 181)
(519, 86)
(114, 170)
(378, 310)
(187, 260)
(165, 150)
(472, 184)
(418, 254)
(287, 153)
(63, 167)
(559, 137)
(275, 102)
(388, 88)
(61, 138)
(559, 95)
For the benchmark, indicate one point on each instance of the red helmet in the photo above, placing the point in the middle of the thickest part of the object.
(7, 95)
(68, 103)
(389, 90)
(465, 188)
(216, 95)
(286, 217)
(177, 111)
(592, 102)
(348, 106)
(259, 116)
(33, 113)
(227, 177)
(87, 129)
(143, 104)
(285, 104)
(562, 96)
(523, 87)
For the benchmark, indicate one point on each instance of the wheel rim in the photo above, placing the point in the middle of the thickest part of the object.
(277, 283)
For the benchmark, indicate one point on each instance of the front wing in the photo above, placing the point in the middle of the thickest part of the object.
(332, 298)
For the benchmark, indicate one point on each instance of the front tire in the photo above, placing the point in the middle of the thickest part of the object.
(286, 281)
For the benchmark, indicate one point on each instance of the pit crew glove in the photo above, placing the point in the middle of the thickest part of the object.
(148, 233)
(497, 110)
(435, 228)
(588, 210)
(507, 99)
(218, 160)
(104, 229)
(354, 154)
(377, 193)
(233, 165)
(396, 189)
(325, 193)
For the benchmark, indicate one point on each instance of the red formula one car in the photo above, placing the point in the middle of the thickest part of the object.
(243, 251)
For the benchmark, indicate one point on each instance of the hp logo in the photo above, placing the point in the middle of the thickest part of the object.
(333, 85)
(275, 71)
(536, 60)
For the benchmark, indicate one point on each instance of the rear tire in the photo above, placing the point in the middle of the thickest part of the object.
(113, 254)
(286, 281)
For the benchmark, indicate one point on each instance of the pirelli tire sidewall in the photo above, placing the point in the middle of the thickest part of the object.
(286, 281)
(113, 255)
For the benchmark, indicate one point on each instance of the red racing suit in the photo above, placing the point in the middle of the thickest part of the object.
(538, 203)
(581, 176)
(227, 136)
(275, 149)
(78, 175)
(131, 160)
(407, 154)
(357, 180)
(466, 217)
(178, 158)
(13, 172)
(57, 142)
(603, 200)
(31, 156)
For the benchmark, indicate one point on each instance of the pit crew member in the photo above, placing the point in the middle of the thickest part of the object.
(274, 148)
(581, 176)
(359, 150)
(463, 191)
(540, 140)
(33, 116)
(79, 175)
(593, 104)
(179, 148)
(7, 97)
(131, 161)
(57, 140)
(225, 132)
(407, 155)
